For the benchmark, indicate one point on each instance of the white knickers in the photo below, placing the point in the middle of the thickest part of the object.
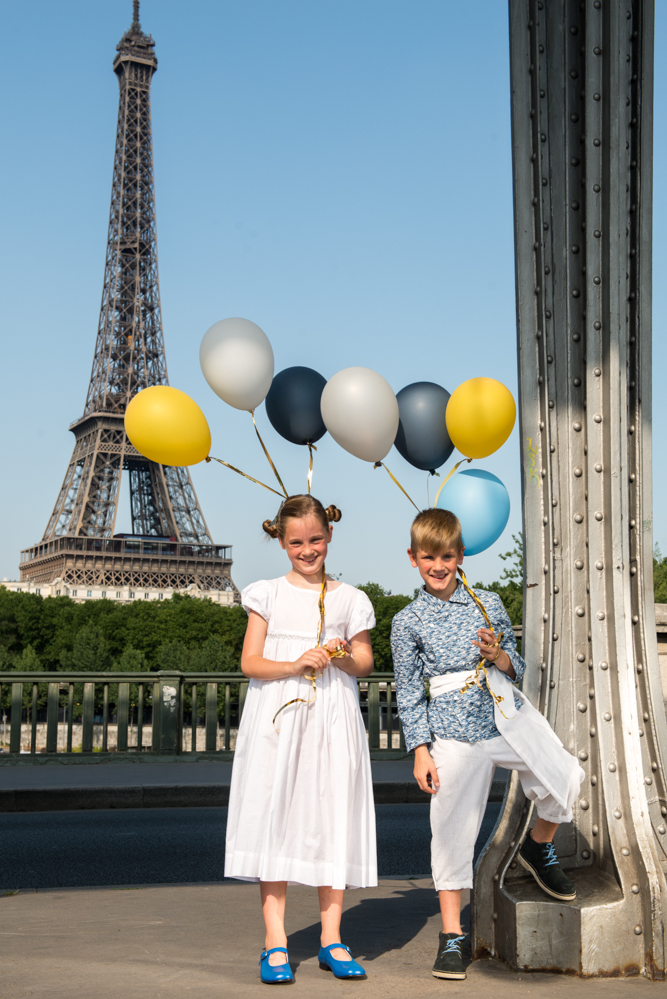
(465, 772)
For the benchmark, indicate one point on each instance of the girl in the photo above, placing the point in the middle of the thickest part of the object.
(301, 799)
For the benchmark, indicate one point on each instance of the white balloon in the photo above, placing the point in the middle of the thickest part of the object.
(360, 412)
(237, 361)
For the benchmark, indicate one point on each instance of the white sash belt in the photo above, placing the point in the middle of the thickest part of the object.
(526, 731)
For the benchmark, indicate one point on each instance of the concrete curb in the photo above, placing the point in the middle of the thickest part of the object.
(61, 799)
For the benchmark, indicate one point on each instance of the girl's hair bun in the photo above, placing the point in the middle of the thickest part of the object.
(297, 507)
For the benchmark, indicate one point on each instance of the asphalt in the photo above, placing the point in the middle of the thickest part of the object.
(167, 942)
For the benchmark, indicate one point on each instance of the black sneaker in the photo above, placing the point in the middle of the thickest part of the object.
(449, 963)
(541, 860)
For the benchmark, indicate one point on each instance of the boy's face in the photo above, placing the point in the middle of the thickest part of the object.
(438, 571)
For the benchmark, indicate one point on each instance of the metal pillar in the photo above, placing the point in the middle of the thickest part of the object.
(581, 76)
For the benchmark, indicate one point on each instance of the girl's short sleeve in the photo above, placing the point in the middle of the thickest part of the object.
(362, 617)
(258, 597)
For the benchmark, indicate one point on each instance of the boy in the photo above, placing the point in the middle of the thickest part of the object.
(462, 642)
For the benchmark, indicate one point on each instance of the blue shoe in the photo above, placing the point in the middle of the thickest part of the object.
(341, 969)
(275, 974)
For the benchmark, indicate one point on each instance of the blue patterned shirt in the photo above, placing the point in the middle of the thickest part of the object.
(432, 636)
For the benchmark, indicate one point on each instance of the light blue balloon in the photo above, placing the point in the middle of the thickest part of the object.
(482, 504)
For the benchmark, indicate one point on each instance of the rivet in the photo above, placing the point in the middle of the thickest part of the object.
(545, 617)
(597, 325)
(596, 97)
(576, 337)
(583, 708)
(545, 520)
(625, 851)
(554, 502)
(663, 810)
(573, 74)
(578, 472)
(536, 246)
(635, 619)
(585, 854)
(612, 768)
(597, 234)
(545, 569)
(599, 566)
(633, 523)
(661, 830)
(596, 142)
(598, 467)
(635, 889)
(594, 830)
(645, 716)
(583, 755)
(597, 418)
(578, 564)
(631, 428)
(596, 188)
(592, 732)
(543, 137)
(551, 404)
(581, 657)
(574, 161)
(596, 280)
(574, 205)
(576, 381)
(597, 372)
(496, 877)
(555, 636)
(638, 930)
(574, 30)
(540, 380)
(574, 248)
(544, 182)
(580, 611)
(591, 693)
(555, 542)
(633, 572)
(654, 766)
(513, 865)
(617, 813)
(648, 780)
(543, 666)
(600, 615)
(574, 118)
(598, 515)
(541, 421)
(552, 684)
(556, 589)
(604, 664)
(578, 518)
(607, 716)
(584, 805)
(576, 426)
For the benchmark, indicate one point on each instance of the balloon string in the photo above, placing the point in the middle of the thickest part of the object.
(311, 448)
(268, 456)
(227, 465)
(475, 681)
(338, 653)
(380, 464)
(445, 481)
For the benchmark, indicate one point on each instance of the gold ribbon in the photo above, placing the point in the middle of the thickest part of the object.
(476, 680)
(338, 653)
(380, 464)
(227, 465)
(311, 448)
(445, 481)
(268, 456)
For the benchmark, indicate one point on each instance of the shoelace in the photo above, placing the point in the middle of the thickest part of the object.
(453, 946)
(550, 857)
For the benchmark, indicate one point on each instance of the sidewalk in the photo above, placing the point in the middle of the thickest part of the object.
(55, 786)
(166, 942)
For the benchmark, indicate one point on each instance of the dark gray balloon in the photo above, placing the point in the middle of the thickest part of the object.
(422, 436)
(293, 405)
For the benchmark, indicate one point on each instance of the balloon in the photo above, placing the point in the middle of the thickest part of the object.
(167, 426)
(360, 412)
(293, 405)
(237, 361)
(480, 501)
(480, 416)
(422, 436)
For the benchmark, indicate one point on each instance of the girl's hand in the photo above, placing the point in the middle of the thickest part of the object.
(339, 643)
(314, 660)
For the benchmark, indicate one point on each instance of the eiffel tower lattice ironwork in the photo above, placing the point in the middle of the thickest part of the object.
(79, 544)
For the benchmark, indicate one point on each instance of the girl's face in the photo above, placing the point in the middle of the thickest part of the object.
(306, 542)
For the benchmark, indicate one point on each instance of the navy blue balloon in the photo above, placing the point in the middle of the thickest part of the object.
(422, 436)
(293, 405)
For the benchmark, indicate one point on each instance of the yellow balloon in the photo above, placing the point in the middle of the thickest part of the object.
(480, 416)
(167, 426)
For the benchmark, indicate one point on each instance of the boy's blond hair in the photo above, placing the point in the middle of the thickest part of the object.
(435, 531)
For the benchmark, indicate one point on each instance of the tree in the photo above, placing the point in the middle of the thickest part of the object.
(659, 576)
(91, 650)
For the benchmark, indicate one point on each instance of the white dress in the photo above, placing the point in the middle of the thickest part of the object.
(301, 798)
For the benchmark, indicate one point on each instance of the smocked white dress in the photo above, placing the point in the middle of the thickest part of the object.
(301, 799)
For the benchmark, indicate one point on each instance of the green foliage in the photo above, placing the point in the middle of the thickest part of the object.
(55, 633)
(385, 605)
(510, 586)
(659, 576)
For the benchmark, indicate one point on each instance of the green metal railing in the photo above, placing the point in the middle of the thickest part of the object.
(158, 714)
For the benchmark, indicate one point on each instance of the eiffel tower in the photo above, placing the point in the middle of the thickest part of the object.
(170, 545)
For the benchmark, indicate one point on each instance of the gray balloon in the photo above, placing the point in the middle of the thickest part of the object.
(422, 436)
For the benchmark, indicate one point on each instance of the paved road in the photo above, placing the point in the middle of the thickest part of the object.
(170, 846)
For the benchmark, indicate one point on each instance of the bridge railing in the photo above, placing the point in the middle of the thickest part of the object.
(159, 714)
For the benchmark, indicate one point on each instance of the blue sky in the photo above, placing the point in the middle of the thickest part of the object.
(339, 172)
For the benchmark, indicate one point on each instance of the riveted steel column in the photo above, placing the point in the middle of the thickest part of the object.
(582, 145)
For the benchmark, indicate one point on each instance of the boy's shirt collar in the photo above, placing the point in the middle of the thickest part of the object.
(459, 596)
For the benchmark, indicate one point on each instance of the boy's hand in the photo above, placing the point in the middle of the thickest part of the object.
(425, 771)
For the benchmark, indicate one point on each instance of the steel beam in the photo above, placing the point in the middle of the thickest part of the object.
(582, 82)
